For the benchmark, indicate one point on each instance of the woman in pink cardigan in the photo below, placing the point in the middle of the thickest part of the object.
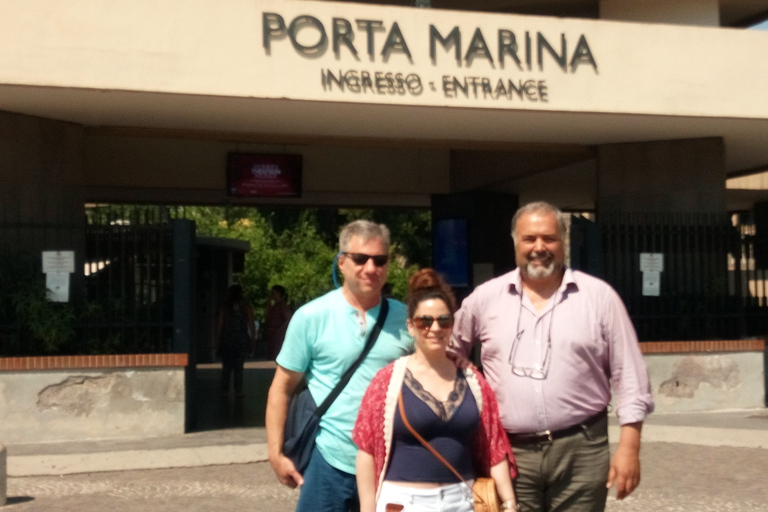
(452, 409)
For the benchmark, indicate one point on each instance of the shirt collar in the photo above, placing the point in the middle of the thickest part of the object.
(568, 283)
(374, 311)
(515, 281)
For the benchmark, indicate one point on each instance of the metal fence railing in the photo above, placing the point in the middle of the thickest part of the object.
(709, 287)
(24, 311)
(121, 295)
(129, 286)
(714, 284)
(129, 259)
(749, 271)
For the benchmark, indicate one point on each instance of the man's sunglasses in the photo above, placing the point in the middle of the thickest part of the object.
(426, 321)
(361, 259)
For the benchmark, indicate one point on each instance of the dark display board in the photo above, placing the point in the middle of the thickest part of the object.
(451, 254)
(263, 175)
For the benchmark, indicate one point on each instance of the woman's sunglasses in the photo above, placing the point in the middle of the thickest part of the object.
(426, 321)
(361, 259)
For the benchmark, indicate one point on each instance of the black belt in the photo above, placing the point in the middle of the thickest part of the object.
(550, 435)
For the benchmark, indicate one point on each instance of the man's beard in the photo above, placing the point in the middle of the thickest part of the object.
(539, 271)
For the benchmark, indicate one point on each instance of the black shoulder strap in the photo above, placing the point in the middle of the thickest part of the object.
(351, 370)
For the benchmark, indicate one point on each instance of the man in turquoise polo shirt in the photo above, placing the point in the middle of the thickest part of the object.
(323, 339)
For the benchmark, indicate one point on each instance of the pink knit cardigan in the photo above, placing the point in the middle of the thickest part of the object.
(374, 425)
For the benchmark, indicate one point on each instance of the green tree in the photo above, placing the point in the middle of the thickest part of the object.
(410, 230)
(292, 247)
(296, 247)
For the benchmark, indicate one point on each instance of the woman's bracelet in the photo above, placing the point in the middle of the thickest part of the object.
(510, 505)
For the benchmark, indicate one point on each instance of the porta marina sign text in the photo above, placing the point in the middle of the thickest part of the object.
(518, 61)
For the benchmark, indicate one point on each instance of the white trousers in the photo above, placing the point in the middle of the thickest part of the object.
(446, 498)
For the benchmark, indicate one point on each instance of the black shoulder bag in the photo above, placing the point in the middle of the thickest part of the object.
(303, 421)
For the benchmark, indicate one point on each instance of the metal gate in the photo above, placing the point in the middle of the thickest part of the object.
(710, 288)
(128, 282)
(135, 295)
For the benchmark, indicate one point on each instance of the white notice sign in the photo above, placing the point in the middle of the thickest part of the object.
(58, 262)
(651, 284)
(57, 286)
(651, 262)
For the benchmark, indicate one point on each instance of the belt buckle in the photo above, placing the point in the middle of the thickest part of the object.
(548, 433)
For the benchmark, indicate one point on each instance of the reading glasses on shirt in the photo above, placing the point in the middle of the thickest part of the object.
(361, 259)
(426, 321)
(538, 371)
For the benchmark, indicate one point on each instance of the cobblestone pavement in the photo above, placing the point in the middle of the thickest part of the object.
(676, 477)
(212, 488)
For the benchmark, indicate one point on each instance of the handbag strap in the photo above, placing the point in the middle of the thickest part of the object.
(351, 370)
(422, 440)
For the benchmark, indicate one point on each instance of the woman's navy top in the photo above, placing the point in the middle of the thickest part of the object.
(448, 426)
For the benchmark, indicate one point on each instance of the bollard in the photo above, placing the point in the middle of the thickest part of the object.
(3, 474)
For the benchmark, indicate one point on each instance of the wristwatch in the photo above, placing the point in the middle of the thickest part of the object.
(508, 505)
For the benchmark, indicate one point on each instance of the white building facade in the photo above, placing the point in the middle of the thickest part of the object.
(614, 106)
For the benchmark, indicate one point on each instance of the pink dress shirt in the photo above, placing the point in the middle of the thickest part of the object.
(593, 346)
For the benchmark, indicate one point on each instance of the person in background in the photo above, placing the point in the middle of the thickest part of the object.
(553, 343)
(454, 410)
(236, 335)
(276, 320)
(324, 339)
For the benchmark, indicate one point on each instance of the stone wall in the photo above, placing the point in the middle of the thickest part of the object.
(69, 404)
(714, 376)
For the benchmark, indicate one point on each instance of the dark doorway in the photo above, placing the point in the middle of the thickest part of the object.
(216, 412)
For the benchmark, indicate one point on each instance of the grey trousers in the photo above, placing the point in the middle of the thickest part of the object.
(568, 474)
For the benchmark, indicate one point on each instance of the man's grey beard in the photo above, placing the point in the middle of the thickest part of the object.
(540, 272)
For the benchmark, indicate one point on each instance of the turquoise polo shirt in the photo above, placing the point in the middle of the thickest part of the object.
(323, 339)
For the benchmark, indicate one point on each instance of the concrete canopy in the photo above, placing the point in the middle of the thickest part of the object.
(567, 138)
(206, 79)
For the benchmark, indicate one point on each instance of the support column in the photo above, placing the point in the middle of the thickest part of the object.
(672, 176)
(488, 217)
(667, 199)
(41, 190)
(184, 307)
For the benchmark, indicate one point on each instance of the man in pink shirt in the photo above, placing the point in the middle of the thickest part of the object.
(553, 342)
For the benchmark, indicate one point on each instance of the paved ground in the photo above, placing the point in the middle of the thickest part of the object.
(691, 478)
(676, 477)
(213, 488)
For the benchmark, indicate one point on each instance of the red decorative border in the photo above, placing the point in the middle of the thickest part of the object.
(86, 362)
(683, 347)
(182, 360)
